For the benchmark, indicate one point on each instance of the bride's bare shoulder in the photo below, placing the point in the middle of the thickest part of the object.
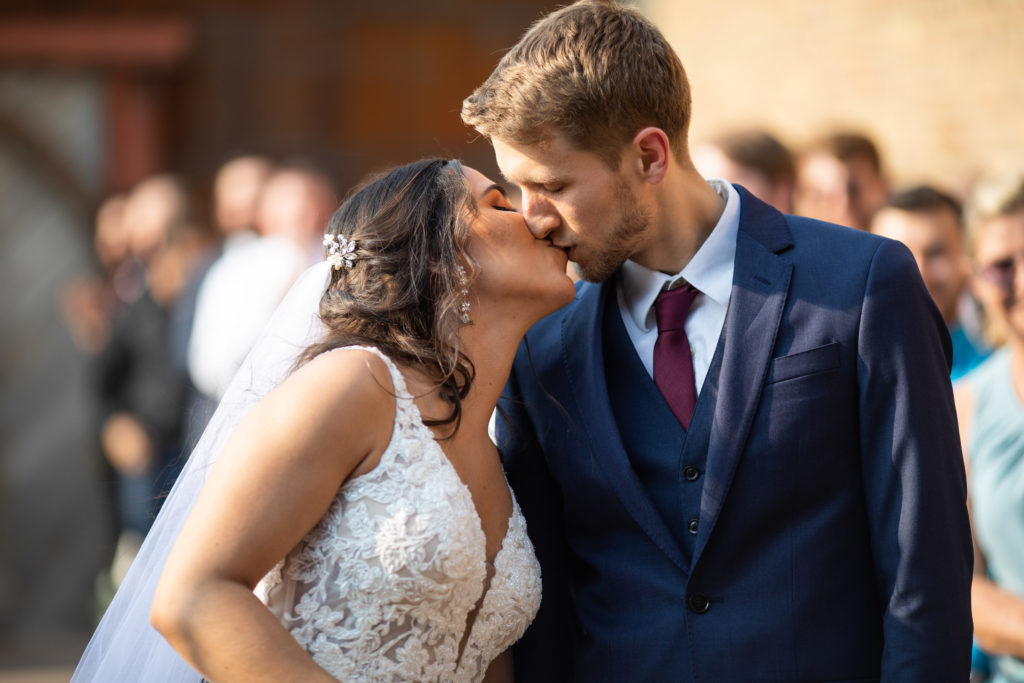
(340, 397)
(345, 375)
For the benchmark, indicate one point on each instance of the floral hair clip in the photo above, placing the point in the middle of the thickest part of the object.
(340, 251)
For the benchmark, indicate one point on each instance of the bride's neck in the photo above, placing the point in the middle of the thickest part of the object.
(491, 345)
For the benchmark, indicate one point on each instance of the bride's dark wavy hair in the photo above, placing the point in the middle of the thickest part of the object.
(403, 292)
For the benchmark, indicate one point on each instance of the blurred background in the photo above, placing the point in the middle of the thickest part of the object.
(97, 96)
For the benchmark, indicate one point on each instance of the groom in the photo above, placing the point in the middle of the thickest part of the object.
(750, 468)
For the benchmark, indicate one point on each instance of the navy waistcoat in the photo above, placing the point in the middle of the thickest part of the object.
(669, 461)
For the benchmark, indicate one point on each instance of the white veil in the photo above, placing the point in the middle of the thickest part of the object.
(125, 647)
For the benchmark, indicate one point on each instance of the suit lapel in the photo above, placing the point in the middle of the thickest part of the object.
(583, 356)
(760, 288)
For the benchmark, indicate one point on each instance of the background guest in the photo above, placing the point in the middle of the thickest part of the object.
(141, 390)
(237, 188)
(244, 286)
(753, 158)
(840, 179)
(990, 407)
(929, 222)
(236, 194)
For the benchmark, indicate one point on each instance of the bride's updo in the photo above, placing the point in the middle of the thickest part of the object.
(399, 287)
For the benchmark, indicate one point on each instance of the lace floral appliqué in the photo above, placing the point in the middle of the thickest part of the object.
(383, 587)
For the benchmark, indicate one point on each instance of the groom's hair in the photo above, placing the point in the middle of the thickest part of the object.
(594, 72)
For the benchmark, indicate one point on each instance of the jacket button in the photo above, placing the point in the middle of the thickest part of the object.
(692, 526)
(698, 602)
(690, 473)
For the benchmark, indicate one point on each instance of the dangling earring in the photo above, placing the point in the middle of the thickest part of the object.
(464, 305)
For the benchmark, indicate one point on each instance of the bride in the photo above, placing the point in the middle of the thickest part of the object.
(345, 515)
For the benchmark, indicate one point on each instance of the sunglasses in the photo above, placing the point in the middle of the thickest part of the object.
(1002, 272)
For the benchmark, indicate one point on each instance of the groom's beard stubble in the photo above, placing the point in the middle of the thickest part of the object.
(622, 241)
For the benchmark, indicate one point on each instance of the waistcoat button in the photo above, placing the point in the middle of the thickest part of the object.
(698, 602)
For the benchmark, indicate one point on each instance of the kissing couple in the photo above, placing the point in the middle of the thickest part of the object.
(730, 454)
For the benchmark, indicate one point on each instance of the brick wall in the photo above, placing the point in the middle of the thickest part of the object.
(938, 83)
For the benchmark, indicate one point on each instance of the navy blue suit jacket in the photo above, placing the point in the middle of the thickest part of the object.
(833, 541)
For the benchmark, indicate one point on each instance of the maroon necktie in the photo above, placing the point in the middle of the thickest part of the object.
(673, 362)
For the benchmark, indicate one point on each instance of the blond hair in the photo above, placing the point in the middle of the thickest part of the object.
(594, 72)
(993, 197)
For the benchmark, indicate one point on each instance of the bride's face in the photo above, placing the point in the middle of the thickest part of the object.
(514, 266)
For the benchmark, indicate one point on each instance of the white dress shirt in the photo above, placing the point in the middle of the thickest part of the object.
(710, 271)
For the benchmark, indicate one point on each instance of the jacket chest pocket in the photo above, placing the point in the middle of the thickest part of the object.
(804, 363)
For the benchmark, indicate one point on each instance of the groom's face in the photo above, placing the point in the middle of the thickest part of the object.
(575, 199)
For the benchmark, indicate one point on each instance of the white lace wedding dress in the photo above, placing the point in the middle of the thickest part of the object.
(387, 584)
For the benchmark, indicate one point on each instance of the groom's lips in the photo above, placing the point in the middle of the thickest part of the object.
(568, 249)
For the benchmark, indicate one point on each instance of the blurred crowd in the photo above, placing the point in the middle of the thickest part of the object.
(181, 291)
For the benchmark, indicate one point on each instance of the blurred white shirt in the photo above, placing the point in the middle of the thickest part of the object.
(235, 302)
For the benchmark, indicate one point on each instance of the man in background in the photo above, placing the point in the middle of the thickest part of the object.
(248, 281)
(929, 223)
(753, 158)
(840, 179)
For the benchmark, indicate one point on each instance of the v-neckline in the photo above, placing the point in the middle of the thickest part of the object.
(408, 396)
(489, 562)
(402, 393)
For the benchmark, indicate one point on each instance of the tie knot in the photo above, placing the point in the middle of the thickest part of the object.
(673, 305)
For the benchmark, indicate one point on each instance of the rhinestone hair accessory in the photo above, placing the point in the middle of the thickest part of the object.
(340, 251)
(464, 305)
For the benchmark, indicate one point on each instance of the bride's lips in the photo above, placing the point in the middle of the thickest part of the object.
(565, 250)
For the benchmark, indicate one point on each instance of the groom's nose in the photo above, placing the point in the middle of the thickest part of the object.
(540, 215)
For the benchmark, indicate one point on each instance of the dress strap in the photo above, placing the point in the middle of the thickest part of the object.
(397, 378)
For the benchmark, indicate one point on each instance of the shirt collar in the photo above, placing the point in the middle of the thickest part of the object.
(710, 270)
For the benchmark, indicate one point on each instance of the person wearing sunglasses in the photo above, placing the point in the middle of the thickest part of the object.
(990, 408)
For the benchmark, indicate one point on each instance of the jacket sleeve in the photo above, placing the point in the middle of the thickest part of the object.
(913, 475)
(546, 650)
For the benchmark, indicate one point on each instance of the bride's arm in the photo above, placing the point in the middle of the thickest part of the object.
(274, 480)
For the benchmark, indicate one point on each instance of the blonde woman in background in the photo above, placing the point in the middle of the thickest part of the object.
(990, 407)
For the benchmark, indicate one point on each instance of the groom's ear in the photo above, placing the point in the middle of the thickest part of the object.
(651, 150)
